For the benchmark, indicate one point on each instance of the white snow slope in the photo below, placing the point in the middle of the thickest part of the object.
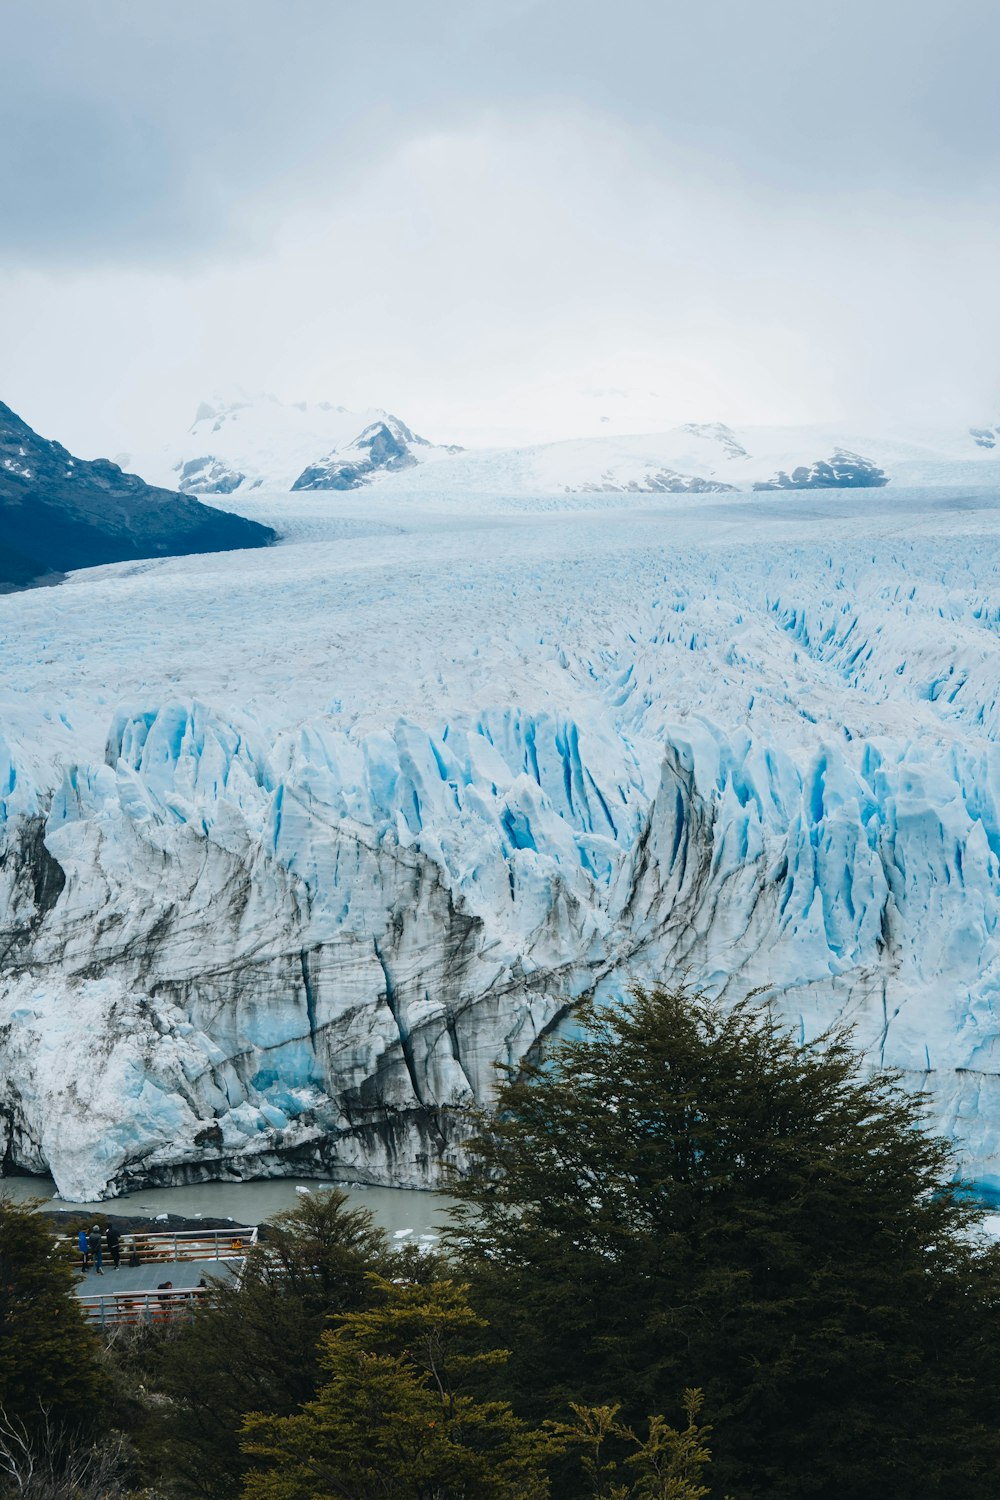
(240, 445)
(297, 843)
(711, 456)
(262, 442)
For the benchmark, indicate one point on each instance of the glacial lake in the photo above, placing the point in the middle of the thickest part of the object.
(397, 1209)
(402, 1212)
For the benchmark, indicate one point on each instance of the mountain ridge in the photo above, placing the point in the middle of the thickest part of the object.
(59, 512)
(260, 441)
(712, 457)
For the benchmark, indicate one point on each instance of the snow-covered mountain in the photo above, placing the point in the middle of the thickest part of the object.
(264, 443)
(296, 844)
(711, 457)
(241, 445)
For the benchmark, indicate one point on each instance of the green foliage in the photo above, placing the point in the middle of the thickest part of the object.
(50, 1374)
(255, 1347)
(689, 1195)
(666, 1465)
(397, 1417)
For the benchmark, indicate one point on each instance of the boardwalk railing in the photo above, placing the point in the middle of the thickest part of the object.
(116, 1308)
(186, 1244)
(111, 1309)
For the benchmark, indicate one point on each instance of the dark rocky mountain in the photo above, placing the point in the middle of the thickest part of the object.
(843, 470)
(58, 512)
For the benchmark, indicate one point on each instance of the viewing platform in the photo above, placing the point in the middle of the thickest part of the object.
(136, 1292)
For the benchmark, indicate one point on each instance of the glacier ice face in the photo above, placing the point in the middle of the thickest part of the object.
(305, 959)
(297, 847)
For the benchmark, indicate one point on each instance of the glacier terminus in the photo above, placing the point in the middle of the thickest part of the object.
(297, 845)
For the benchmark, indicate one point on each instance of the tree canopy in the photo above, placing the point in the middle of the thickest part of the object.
(255, 1346)
(397, 1417)
(400, 1415)
(687, 1195)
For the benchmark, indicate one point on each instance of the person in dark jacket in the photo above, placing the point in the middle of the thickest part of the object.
(94, 1240)
(114, 1245)
(84, 1249)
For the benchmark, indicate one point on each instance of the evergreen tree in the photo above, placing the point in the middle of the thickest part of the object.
(255, 1346)
(394, 1418)
(686, 1194)
(667, 1464)
(51, 1381)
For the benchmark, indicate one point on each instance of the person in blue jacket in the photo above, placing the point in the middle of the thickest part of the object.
(84, 1250)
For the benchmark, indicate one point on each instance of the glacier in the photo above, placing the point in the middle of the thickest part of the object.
(297, 846)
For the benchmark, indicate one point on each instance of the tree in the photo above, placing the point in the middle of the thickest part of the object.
(394, 1418)
(255, 1346)
(50, 1374)
(666, 1465)
(687, 1194)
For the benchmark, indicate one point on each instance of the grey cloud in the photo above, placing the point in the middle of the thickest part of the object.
(859, 92)
(156, 129)
(172, 128)
(474, 210)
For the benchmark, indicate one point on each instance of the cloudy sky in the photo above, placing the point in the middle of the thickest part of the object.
(502, 219)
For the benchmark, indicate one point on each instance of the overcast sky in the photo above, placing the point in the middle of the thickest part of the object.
(500, 220)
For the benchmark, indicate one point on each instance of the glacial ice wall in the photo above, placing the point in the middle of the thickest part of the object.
(256, 923)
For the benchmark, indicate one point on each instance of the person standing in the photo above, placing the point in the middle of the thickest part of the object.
(94, 1240)
(114, 1245)
(84, 1249)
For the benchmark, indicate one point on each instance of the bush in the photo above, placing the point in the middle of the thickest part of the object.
(400, 1415)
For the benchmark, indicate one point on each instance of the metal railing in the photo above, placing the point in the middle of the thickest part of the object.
(115, 1308)
(112, 1309)
(185, 1244)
